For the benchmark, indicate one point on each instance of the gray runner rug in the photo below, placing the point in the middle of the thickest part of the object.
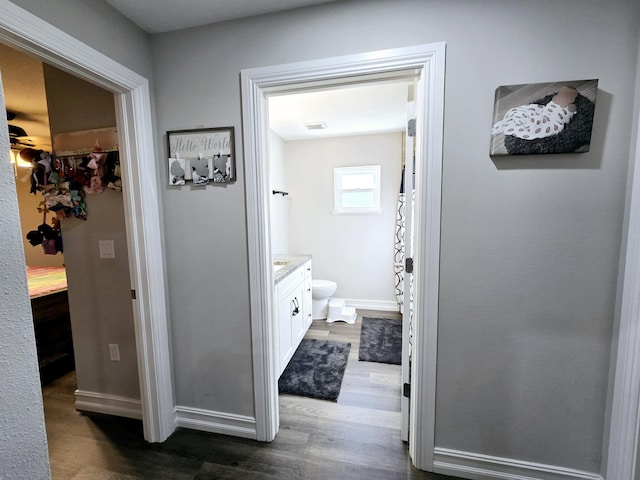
(381, 340)
(316, 369)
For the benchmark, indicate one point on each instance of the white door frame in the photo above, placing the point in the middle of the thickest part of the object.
(625, 407)
(26, 32)
(407, 278)
(429, 62)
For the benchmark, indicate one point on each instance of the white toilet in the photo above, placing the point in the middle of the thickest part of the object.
(321, 291)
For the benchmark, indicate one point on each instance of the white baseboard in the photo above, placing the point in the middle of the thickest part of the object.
(484, 467)
(216, 422)
(383, 305)
(108, 404)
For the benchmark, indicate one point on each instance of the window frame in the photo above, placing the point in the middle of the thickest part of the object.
(340, 172)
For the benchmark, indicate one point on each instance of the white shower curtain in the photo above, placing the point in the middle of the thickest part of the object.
(399, 255)
(398, 259)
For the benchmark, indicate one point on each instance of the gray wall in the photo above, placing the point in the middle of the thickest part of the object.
(22, 425)
(529, 245)
(100, 26)
(99, 289)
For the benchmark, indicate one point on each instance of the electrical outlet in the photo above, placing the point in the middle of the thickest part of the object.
(114, 351)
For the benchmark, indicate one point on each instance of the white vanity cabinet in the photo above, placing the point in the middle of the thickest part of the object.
(293, 311)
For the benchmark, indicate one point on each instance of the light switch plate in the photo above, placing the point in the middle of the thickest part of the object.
(106, 248)
(114, 352)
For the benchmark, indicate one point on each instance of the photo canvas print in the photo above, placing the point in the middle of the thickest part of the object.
(201, 156)
(176, 171)
(200, 171)
(543, 118)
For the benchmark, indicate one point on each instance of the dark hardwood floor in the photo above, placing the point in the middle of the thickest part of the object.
(357, 437)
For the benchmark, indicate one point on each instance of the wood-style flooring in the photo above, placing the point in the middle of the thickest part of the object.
(357, 437)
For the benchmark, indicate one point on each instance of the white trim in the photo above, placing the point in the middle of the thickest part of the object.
(625, 405)
(265, 358)
(216, 422)
(486, 467)
(146, 259)
(427, 60)
(429, 111)
(382, 305)
(108, 404)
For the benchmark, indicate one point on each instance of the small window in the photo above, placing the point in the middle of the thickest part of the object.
(356, 189)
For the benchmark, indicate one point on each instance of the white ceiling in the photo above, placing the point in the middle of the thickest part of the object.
(156, 16)
(351, 110)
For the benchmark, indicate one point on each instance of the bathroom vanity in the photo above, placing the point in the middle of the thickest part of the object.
(292, 304)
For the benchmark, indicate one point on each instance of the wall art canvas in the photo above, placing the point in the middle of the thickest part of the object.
(543, 118)
(201, 156)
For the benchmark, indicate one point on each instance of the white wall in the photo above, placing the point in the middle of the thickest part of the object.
(530, 246)
(354, 250)
(21, 406)
(280, 205)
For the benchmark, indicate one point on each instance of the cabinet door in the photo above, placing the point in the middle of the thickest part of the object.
(298, 320)
(285, 342)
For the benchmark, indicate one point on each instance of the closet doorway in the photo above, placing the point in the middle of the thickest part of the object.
(135, 139)
(78, 294)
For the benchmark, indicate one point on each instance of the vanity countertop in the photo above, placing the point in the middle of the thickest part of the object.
(287, 264)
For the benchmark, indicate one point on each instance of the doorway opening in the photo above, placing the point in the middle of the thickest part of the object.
(76, 292)
(337, 156)
(135, 140)
(427, 63)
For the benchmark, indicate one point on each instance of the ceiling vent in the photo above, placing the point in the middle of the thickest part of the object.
(315, 126)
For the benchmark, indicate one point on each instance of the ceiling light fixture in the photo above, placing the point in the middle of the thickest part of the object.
(18, 161)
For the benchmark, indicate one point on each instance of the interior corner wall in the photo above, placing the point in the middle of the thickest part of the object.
(530, 246)
(21, 409)
(280, 204)
(354, 250)
(99, 289)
